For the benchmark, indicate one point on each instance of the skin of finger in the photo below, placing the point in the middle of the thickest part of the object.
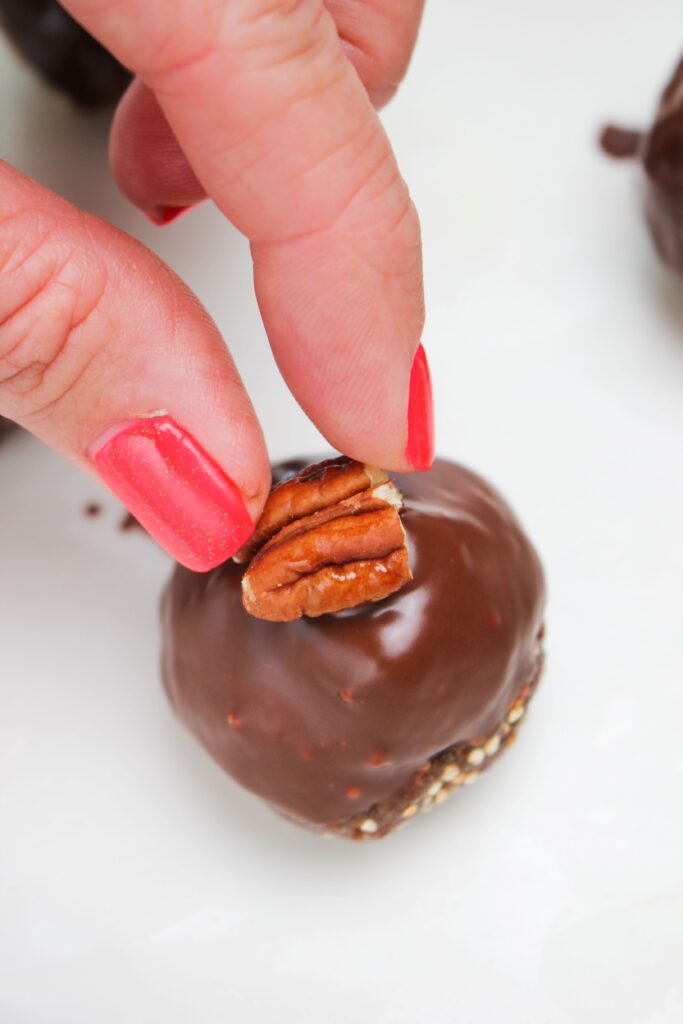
(379, 37)
(345, 384)
(96, 330)
(279, 130)
(148, 162)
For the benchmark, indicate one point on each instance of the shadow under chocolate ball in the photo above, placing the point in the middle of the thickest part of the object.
(350, 723)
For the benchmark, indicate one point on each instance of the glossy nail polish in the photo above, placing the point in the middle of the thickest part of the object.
(174, 489)
(420, 447)
(163, 215)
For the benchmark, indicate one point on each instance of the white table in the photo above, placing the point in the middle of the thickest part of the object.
(137, 883)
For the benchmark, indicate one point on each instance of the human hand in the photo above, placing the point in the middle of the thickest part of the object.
(106, 355)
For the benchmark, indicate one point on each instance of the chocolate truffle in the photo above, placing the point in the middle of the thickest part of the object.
(65, 55)
(660, 151)
(352, 722)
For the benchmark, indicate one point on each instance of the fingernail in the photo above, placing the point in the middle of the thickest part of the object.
(174, 489)
(420, 447)
(162, 215)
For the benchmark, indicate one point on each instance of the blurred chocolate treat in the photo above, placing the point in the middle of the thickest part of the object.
(660, 151)
(620, 143)
(65, 55)
(352, 722)
(5, 427)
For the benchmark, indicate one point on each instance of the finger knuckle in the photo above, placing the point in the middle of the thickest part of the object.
(48, 290)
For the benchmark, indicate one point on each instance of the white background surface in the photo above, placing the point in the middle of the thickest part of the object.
(137, 883)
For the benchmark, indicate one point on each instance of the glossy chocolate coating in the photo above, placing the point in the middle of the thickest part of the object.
(663, 162)
(64, 53)
(324, 717)
(661, 153)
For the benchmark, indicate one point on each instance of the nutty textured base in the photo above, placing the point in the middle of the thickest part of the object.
(459, 765)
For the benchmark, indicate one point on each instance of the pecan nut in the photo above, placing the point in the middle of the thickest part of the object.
(314, 488)
(347, 552)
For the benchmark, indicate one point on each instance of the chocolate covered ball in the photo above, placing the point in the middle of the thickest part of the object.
(352, 722)
(660, 151)
(65, 55)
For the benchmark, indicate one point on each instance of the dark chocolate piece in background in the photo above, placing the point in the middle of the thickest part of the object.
(660, 151)
(66, 56)
(5, 427)
(348, 723)
(620, 143)
(663, 162)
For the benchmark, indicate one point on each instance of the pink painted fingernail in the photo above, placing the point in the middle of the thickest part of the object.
(174, 489)
(420, 447)
(162, 215)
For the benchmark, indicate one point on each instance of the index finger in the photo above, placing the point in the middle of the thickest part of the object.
(280, 132)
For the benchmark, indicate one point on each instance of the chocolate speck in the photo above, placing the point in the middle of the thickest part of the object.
(129, 522)
(92, 509)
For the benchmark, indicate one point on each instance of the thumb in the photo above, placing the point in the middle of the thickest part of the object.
(106, 356)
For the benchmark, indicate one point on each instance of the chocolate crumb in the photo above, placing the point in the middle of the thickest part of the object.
(92, 509)
(129, 522)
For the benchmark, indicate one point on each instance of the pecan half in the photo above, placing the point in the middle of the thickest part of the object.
(311, 490)
(348, 552)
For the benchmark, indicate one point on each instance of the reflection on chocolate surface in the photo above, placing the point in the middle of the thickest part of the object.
(352, 722)
(64, 53)
(661, 153)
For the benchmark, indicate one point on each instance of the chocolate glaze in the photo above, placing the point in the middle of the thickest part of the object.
(661, 153)
(64, 53)
(325, 717)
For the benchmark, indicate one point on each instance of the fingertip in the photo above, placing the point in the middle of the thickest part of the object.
(166, 479)
(147, 162)
(344, 333)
